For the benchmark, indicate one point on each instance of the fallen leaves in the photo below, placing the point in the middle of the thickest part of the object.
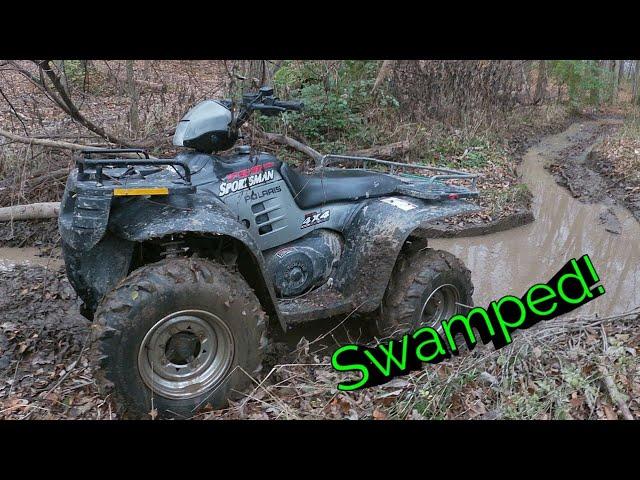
(47, 374)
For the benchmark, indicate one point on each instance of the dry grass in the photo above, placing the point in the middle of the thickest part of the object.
(555, 370)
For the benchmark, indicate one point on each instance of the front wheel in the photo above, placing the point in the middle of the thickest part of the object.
(177, 335)
(426, 288)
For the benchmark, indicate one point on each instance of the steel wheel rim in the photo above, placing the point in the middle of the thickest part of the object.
(186, 353)
(441, 304)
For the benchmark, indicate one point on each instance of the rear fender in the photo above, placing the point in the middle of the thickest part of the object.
(375, 237)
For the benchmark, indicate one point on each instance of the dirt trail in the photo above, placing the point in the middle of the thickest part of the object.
(511, 261)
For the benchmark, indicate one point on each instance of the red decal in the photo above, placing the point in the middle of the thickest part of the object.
(244, 173)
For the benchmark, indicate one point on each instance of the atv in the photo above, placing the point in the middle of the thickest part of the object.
(180, 262)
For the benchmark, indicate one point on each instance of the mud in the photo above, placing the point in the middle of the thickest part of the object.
(624, 192)
(29, 233)
(517, 219)
(28, 256)
(572, 169)
(511, 261)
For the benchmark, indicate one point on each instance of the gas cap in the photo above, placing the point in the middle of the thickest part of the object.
(244, 149)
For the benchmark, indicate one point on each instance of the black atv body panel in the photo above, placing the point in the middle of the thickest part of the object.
(94, 272)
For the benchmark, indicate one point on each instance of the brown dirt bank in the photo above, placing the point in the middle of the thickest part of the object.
(573, 170)
(617, 161)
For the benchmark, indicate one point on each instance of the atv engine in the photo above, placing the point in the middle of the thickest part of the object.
(304, 264)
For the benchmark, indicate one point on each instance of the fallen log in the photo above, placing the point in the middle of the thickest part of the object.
(32, 211)
(43, 142)
(295, 144)
(615, 394)
(384, 152)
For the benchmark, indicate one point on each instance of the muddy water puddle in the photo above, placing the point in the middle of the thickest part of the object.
(10, 257)
(510, 262)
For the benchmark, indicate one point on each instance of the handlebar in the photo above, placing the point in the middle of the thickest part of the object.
(264, 102)
(289, 105)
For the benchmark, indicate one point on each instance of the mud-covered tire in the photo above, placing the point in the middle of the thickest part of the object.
(415, 277)
(130, 311)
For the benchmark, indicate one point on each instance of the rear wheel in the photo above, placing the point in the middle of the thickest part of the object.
(177, 335)
(426, 287)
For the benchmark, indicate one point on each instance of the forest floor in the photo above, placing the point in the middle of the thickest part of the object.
(582, 368)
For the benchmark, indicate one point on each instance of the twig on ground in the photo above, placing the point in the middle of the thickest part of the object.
(615, 394)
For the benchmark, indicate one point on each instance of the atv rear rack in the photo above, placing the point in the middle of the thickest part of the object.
(417, 184)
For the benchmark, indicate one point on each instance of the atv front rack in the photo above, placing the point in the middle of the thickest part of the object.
(98, 165)
(416, 184)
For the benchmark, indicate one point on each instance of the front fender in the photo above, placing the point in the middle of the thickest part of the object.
(141, 219)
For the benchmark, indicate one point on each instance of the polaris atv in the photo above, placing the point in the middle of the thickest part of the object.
(180, 261)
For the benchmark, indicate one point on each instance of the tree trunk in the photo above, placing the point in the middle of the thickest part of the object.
(635, 97)
(559, 95)
(290, 142)
(524, 91)
(258, 73)
(132, 91)
(30, 212)
(143, 84)
(541, 84)
(383, 74)
(594, 93)
(59, 64)
(616, 80)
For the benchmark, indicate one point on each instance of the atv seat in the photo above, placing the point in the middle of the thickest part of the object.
(336, 185)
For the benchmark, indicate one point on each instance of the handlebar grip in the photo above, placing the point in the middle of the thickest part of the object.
(289, 105)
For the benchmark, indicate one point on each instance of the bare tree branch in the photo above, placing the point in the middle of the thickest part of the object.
(55, 143)
(67, 104)
(290, 142)
(14, 111)
(43, 142)
(384, 72)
